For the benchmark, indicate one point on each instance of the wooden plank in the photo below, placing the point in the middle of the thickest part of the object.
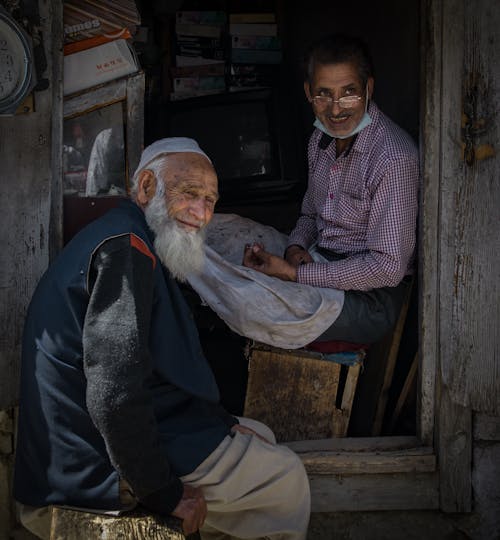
(455, 455)
(470, 243)
(477, 238)
(343, 415)
(369, 463)
(356, 444)
(371, 455)
(469, 240)
(75, 525)
(408, 384)
(355, 493)
(55, 16)
(390, 364)
(93, 98)
(430, 158)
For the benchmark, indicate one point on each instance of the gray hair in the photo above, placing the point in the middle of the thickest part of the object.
(339, 49)
(158, 167)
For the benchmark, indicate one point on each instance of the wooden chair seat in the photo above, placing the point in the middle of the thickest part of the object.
(69, 524)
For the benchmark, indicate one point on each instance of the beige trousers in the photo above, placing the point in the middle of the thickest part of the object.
(254, 490)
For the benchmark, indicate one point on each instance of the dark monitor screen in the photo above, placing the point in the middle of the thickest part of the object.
(237, 138)
(254, 154)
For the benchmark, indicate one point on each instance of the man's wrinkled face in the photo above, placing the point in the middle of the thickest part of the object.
(336, 81)
(190, 190)
(177, 207)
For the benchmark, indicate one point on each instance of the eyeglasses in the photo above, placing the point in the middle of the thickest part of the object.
(345, 102)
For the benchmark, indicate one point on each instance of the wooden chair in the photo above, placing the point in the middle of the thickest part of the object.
(69, 524)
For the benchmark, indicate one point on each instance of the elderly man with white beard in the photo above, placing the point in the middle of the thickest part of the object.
(118, 405)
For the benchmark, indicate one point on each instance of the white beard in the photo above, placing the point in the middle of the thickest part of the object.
(181, 251)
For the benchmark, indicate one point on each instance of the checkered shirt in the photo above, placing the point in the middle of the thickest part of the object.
(362, 205)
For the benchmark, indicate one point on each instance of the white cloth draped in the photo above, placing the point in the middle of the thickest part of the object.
(279, 313)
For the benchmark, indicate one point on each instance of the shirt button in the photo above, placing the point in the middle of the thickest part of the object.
(331, 195)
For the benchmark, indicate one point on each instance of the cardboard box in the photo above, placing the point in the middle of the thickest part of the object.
(98, 65)
(85, 19)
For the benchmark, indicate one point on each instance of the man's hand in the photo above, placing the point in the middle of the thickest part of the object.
(257, 258)
(296, 255)
(192, 509)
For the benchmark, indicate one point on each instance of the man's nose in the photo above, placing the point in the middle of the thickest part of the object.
(335, 108)
(199, 209)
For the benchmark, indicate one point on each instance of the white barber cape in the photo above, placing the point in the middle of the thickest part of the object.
(279, 313)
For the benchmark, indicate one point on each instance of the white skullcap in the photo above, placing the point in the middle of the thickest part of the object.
(169, 145)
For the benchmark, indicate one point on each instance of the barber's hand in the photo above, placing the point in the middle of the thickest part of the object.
(295, 255)
(248, 431)
(192, 509)
(257, 258)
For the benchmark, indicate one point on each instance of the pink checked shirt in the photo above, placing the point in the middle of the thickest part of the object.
(362, 204)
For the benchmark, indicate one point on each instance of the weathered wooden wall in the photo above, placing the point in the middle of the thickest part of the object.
(470, 201)
(30, 215)
(469, 241)
(29, 154)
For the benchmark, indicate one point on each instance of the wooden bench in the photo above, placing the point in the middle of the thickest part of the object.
(300, 394)
(69, 524)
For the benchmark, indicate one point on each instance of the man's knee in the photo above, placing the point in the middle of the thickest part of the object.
(258, 427)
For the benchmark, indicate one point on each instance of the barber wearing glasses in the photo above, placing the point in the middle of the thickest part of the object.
(360, 207)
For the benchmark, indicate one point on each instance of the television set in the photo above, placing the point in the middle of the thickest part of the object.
(252, 139)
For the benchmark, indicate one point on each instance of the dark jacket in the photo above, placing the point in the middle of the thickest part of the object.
(97, 402)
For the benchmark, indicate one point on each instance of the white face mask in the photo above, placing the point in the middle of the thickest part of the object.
(365, 121)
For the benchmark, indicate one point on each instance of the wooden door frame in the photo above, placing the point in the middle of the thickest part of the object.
(441, 73)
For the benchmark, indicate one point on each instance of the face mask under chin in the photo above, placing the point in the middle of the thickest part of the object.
(365, 121)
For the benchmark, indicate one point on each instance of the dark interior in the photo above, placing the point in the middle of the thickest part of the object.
(279, 119)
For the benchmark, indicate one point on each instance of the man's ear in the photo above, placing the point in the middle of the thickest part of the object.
(307, 90)
(370, 84)
(146, 187)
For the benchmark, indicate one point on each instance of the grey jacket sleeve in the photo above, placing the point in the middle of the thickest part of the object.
(117, 364)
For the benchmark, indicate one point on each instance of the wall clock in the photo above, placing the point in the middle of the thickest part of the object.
(17, 76)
